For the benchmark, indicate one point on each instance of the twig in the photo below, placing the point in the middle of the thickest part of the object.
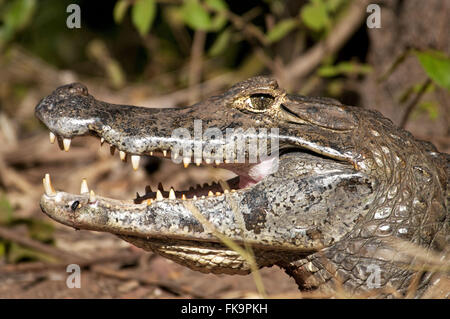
(195, 64)
(267, 60)
(241, 23)
(413, 103)
(19, 238)
(40, 266)
(34, 149)
(249, 31)
(163, 284)
(398, 61)
(9, 177)
(335, 40)
(183, 95)
(83, 262)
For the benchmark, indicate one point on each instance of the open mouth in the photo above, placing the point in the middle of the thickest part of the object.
(247, 174)
(135, 132)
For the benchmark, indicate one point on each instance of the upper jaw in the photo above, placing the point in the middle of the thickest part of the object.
(132, 129)
(137, 131)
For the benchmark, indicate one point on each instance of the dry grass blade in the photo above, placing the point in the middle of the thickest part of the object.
(424, 259)
(248, 256)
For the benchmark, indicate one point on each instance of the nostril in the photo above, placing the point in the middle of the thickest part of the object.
(78, 88)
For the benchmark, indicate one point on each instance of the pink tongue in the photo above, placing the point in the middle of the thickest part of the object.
(252, 174)
(245, 181)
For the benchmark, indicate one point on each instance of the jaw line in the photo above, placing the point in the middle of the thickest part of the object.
(92, 211)
(120, 217)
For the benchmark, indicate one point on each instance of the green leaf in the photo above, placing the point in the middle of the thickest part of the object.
(218, 5)
(6, 211)
(335, 87)
(17, 253)
(18, 13)
(334, 5)
(195, 16)
(315, 15)
(328, 71)
(221, 43)
(142, 15)
(220, 18)
(343, 68)
(174, 16)
(120, 9)
(40, 230)
(281, 29)
(437, 66)
(346, 67)
(115, 74)
(431, 108)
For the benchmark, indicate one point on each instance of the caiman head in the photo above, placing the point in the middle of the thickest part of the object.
(312, 174)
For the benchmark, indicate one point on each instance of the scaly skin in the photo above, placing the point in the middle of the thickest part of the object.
(349, 184)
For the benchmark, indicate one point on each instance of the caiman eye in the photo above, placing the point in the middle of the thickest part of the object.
(260, 102)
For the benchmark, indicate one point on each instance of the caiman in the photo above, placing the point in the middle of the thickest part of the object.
(329, 204)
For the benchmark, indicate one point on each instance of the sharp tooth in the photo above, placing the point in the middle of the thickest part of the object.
(226, 191)
(198, 161)
(148, 189)
(84, 189)
(135, 161)
(151, 153)
(123, 155)
(207, 161)
(172, 194)
(160, 187)
(52, 137)
(48, 188)
(183, 197)
(217, 162)
(203, 197)
(66, 143)
(159, 196)
(102, 140)
(218, 193)
(165, 153)
(175, 156)
(186, 162)
(227, 161)
(194, 198)
(210, 194)
(149, 201)
(233, 190)
(224, 185)
(92, 197)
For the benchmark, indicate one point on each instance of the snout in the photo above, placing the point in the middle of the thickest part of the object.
(68, 111)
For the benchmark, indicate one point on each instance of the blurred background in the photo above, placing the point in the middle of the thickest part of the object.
(168, 53)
